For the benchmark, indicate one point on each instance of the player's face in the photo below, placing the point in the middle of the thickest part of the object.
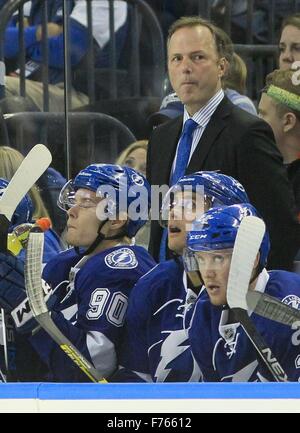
(137, 160)
(83, 224)
(289, 47)
(195, 69)
(185, 207)
(267, 111)
(214, 269)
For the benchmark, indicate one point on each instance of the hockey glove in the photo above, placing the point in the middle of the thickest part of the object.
(13, 298)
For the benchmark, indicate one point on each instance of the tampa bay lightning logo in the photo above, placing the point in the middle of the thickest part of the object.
(123, 258)
(292, 301)
(137, 179)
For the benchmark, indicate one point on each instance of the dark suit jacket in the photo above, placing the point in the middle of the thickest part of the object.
(240, 145)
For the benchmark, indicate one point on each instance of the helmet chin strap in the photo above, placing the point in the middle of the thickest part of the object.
(101, 237)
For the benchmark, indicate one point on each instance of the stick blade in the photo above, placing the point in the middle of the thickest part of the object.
(246, 247)
(31, 168)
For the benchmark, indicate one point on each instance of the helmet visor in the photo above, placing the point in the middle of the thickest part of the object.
(69, 197)
(202, 260)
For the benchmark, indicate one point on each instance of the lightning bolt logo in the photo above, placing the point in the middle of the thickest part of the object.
(171, 348)
(123, 258)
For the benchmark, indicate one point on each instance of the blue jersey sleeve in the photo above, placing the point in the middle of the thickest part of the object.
(11, 40)
(34, 50)
(78, 47)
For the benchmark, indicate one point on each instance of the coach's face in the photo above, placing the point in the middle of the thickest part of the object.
(195, 69)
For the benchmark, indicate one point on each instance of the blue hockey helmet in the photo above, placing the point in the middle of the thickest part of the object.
(24, 210)
(120, 186)
(217, 229)
(219, 189)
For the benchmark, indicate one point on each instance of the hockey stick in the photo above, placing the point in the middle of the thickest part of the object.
(35, 293)
(246, 247)
(31, 168)
(272, 308)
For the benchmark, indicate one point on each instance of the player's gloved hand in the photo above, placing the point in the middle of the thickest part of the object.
(13, 298)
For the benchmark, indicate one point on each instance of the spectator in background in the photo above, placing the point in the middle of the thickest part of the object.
(289, 44)
(170, 108)
(135, 156)
(168, 11)
(235, 75)
(214, 134)
(78, 47)
(10, 159)
(259, 18)
(280, 107)
(234, 84)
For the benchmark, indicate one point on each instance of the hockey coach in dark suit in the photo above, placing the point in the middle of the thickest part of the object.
(214, 134)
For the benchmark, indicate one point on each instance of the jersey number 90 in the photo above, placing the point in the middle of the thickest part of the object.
(115, 311)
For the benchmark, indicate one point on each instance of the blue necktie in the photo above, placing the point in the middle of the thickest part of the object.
(183, 155)
(184, 150)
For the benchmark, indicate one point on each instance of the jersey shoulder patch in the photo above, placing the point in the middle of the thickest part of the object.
(122, 258)
(292, 301)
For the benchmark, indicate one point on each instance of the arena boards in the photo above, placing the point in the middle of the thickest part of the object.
(172, 398)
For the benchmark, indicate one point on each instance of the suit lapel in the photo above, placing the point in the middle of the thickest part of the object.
(166, 149)
(212, 130)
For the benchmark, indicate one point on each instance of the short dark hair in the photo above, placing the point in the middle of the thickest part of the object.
(223, 42)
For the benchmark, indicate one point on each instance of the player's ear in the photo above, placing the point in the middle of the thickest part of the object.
(289, 121)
